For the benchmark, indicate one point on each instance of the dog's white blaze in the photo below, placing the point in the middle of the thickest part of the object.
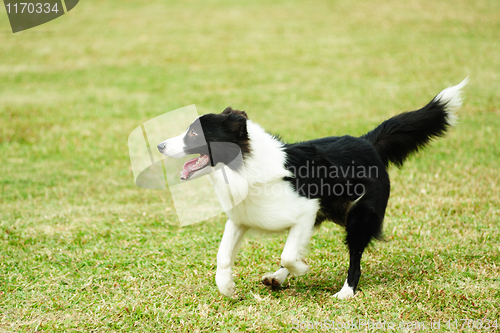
(452, 100)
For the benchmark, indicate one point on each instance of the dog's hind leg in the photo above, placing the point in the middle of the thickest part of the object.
(231, 241)
(363, 224)
(292, 258)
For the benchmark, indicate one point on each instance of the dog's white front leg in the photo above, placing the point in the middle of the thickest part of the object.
(292, 258)
(295, 249)
(231, 240)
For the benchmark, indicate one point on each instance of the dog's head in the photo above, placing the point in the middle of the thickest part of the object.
(216, 138)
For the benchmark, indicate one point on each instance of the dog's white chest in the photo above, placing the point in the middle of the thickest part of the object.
(273, 206)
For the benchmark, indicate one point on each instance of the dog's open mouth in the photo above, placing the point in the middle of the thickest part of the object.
(193, 165)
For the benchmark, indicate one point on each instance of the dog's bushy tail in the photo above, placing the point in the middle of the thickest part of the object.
(402, 135)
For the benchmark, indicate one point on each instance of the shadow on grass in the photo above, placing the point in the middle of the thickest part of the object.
(372, 277)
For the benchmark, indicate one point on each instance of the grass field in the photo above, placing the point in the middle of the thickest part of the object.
(84, 249)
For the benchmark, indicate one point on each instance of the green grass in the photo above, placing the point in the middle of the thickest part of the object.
(84, 249)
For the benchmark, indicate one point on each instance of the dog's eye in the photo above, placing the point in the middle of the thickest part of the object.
(192, 133)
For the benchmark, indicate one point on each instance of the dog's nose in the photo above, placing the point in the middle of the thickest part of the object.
(161, 146)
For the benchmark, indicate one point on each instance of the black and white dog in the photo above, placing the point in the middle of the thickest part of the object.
(297, 186)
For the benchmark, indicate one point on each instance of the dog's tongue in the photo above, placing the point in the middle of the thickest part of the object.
(193, 165)
(188, 166)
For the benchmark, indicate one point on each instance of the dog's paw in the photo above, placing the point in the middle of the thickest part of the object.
(345, 293)
(275, 279)
(342, 294)
(271, 280)
(225, 283)
(227, 289)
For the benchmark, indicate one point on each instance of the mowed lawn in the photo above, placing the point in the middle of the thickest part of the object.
(83, 249)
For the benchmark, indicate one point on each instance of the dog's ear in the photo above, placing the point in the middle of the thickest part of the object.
(230, 110)
(238, 124)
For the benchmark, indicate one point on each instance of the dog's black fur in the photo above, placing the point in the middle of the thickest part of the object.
(391, 142)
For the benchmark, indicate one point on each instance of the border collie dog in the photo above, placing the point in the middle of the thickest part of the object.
(297, 186)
